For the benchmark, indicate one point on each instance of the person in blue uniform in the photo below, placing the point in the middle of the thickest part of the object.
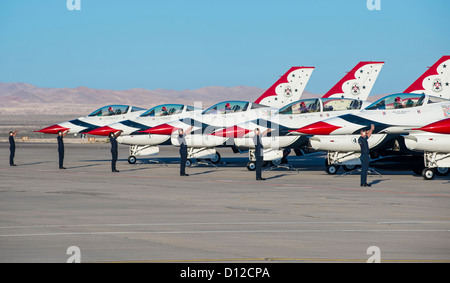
(59, 138)
(363, 143)
(259, 152)
(183, 149)
(12, 148)
(114, 149)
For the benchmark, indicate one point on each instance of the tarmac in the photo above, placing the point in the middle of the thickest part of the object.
(148, 213)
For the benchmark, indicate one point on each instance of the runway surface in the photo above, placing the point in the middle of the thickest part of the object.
(148, 213)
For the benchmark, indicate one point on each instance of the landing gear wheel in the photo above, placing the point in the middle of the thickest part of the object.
(348, 167)
(331, 169)
(276, 162)
(188, 163)
(428, 173)
(442, 171)
(251, 166)
(216, 158)
(132, 159)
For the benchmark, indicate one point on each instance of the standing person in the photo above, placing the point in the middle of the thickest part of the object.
(183, 150)
(114, 149)
(12, 148)
(363, 143)
(60, 137)
(259, 153)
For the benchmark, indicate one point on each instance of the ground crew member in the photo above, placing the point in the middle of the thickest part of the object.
(12, 147)
(183, 150)
(259, 153)
(114, 149)
(362, 140)
(60, 137)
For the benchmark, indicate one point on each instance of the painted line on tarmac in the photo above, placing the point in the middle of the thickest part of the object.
(283, 260)
(398, 222)
(190, 179)
(224, 232)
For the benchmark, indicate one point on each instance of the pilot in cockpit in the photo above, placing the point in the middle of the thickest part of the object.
(355, 104)
(164, 111)
(398, 102)
(303, 108)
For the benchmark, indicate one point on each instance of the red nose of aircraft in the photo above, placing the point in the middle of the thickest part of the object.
(231, 132)
(440, 127)
(102, 131)
(53, 129)
(318, 128)
(163, 129)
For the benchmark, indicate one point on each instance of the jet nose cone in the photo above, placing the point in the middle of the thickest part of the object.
(102, 131)
(440, 127)
(231, 132)
(319, 128)
(53, 129)
(164, 129)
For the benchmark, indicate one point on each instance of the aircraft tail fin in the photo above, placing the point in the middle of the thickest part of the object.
(435, 81)
(287, 89)
(357, 83)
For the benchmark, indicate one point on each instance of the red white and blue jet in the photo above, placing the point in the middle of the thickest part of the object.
(99, 118)
(151, 129)
(425, 102)
(347, 96)
(434, 141)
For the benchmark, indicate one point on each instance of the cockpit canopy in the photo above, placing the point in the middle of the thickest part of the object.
(341, 104)
(301, 106)
(112, 110)
(167, 110)
(227, 107)
(315, 104)
(434, 99)
(232, 106)
(398, 101)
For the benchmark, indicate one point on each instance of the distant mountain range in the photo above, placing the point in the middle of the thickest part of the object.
(23, 98)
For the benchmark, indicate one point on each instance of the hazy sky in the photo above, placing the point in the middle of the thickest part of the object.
(123, 44)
